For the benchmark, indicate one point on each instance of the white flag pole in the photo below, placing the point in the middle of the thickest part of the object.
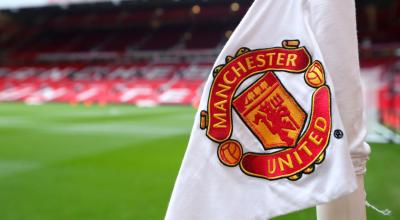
(349, 207)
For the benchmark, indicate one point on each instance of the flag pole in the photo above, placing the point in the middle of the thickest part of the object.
(349, 207)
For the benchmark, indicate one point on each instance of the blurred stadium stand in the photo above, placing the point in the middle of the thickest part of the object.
(160, 52)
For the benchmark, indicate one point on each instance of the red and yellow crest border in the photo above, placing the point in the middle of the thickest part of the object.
(218, 117)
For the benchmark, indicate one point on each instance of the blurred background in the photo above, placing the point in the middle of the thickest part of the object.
(96, 102)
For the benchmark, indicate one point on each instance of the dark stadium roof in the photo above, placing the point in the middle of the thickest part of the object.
(127, 4)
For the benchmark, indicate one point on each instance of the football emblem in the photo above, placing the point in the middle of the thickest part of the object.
(315, 76)
(230, 152)
(294, 141)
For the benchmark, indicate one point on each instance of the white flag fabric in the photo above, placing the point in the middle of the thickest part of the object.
(336, 34)
(269, 137)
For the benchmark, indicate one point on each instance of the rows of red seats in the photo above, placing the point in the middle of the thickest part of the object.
(386, 86)
(389, 105)
(131, 84)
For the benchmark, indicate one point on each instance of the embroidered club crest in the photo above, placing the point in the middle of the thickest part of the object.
(294, 140)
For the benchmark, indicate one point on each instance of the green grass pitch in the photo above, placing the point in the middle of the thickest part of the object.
(59, 162)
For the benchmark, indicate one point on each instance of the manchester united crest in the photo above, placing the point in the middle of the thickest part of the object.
(294, 141)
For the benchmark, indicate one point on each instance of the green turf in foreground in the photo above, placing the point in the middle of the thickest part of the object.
(382, 184)
(118, 162)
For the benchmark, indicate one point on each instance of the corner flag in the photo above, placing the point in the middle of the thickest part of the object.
(268, 138)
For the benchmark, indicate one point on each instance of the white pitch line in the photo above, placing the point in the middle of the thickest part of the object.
(6, 121)
(130, 128)
(118, 129)
(10, 167)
